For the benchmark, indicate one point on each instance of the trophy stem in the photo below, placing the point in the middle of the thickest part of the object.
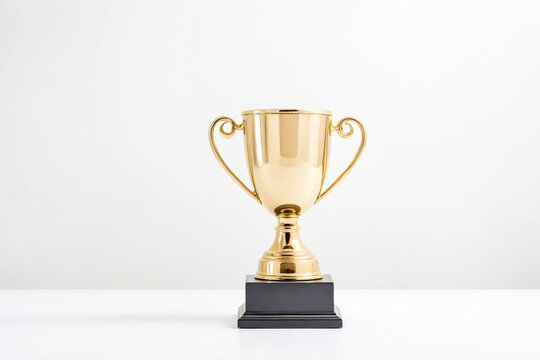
(288, 258)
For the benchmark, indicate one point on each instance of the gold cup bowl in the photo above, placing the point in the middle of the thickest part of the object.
(287, 156)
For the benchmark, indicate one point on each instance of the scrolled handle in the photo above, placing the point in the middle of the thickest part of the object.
(340, 129)
(224, 120)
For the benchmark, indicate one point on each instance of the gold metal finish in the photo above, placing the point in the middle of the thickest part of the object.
(285, 111)
(345, 135)
(288, 258)
(228, 134)
(287, 156)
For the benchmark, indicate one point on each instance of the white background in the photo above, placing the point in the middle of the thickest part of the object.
(107, 179)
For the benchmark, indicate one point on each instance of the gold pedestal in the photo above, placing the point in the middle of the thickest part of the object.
(288, 258)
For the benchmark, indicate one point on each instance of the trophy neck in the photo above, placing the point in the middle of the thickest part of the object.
(288, 258)
(287, 223)
(287, 236)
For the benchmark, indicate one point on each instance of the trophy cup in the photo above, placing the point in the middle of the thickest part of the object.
(287, 156)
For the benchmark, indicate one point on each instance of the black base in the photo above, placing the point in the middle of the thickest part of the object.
(289, 321)
(289, 304)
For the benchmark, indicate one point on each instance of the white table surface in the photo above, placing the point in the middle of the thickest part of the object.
(201, 324)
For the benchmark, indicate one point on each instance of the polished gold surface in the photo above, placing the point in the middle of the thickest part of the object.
(287, 156)
(288, 258)
(346, 134)
(228, 134)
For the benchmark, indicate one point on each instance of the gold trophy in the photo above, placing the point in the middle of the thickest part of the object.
(287, 156)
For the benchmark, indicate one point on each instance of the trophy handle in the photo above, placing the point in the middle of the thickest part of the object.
(228, 134)
(346, 134)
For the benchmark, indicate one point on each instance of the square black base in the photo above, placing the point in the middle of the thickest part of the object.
(289, 304)
(289, 321)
